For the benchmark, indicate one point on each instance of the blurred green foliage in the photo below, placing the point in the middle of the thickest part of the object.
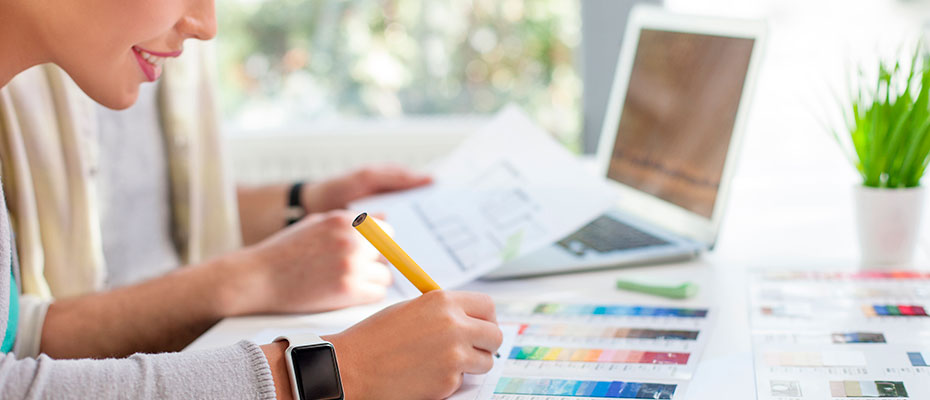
(287, 62)
(888, 123)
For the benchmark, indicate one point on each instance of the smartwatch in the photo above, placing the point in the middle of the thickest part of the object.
(311, 364)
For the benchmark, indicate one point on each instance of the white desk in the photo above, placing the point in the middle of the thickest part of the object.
(806, 225)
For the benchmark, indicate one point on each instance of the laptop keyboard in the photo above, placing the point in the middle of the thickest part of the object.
(606, 234)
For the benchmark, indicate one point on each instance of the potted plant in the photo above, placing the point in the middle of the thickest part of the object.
(887, 139)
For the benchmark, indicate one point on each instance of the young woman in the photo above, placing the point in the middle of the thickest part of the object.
(415, 349)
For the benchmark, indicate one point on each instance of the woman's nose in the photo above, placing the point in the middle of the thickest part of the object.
(200, 21)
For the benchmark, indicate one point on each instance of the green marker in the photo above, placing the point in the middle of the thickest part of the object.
(682, 291)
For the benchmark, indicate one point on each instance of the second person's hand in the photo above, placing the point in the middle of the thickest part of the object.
(337, 193)
(320, 263)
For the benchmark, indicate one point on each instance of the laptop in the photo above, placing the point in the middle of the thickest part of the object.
(669, 143)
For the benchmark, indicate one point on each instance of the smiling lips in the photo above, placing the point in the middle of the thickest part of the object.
(151, 62)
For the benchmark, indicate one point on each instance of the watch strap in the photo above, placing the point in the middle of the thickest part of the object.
(300, 339)
(293, 342)
(295, 208)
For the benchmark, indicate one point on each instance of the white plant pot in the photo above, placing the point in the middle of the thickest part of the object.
(888, 222)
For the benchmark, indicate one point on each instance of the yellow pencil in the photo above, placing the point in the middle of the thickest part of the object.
(396, 255)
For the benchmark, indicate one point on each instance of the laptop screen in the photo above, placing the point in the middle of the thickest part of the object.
(678, 116)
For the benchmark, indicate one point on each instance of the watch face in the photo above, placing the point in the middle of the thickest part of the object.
(316, 372)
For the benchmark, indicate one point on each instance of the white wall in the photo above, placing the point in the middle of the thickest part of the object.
(811, 45)
(793, 186)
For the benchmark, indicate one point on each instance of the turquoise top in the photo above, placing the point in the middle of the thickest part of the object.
(11, 323)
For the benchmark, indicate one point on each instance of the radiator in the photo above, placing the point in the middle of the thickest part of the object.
(284, 156)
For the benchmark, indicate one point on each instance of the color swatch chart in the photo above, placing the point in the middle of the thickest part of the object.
(841, 335)
(583, 388)
(607, 321)
(822, 338)
(919, 359)
(867, 389)
(870, 297)
(830, 358)
(619, 356)
(844, 389)
(603, 310)
(847, 311)
(857, 337)
(895, 310)
(608, 333)
(846, 276)
(593, 351)
(603, 340)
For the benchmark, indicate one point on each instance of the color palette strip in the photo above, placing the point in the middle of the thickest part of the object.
(557, 309)
(919, 359)
(815, 359)
(540, 353)
(785, 388)
(858, 275)
(788, 311)
(857, 337)
(867, 389)
(595, 389)
(606, 332)
(893, 310)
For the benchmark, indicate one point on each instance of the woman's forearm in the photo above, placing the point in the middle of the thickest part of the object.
(238, 371)
(262, 211)
(164, 314)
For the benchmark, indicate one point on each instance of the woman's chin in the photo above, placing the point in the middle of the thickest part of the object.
(117, 99)
(108, 92)
(114, 83)
(122, 103)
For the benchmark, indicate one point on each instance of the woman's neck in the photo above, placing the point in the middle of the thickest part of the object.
(19, 45)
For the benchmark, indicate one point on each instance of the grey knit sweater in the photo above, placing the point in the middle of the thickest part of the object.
(235, 372)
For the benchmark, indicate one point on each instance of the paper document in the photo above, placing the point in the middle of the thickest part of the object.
(507, 190)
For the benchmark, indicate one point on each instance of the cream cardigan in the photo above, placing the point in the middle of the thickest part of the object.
(47, 146)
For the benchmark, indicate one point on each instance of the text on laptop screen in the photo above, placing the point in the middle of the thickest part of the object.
(678, 116)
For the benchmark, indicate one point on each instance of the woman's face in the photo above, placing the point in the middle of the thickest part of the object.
(110, 47)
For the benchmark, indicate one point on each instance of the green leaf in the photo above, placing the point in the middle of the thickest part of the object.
(888, 122)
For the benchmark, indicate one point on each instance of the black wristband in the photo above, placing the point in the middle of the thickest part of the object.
(295, 207)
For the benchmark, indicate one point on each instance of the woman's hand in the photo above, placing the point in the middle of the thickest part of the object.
(418, 349)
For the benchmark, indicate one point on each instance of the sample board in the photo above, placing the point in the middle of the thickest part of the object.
(592, 351)
(841, 335)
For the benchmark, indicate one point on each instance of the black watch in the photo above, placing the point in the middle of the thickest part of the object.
(312, 367)
(295, 207)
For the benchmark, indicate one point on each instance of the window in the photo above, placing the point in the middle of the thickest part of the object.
(293, 62)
